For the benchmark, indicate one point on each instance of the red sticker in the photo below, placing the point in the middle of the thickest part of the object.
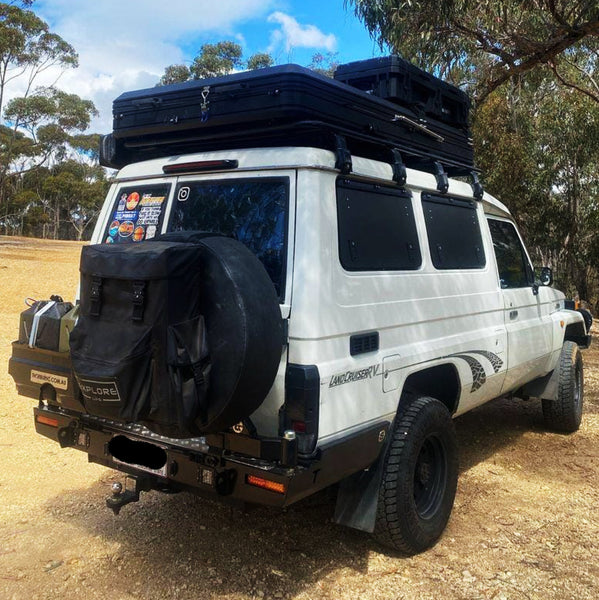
(132, 201)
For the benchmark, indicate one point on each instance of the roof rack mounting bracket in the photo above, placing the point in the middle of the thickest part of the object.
(343, 160)
(477, 186)
(400, 174)
(441, 177)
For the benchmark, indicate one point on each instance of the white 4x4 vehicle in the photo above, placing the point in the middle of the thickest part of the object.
(329, 320)
(404, 308)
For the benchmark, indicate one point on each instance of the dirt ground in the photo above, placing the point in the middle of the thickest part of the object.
(525, 523)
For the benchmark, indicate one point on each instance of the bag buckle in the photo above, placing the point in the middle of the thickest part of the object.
(139, 288)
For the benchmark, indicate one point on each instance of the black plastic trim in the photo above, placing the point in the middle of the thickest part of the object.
(583, 341)
(362, 343)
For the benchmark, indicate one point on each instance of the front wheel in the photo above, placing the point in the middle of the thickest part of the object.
(565, 413)
(420, 477)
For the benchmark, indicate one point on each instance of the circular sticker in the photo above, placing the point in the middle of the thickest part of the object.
(114, 228)
(138, 234)
(109, 240)
(126, 229)
(132, 201)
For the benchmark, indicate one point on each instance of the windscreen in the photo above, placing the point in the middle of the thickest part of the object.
(252, 211)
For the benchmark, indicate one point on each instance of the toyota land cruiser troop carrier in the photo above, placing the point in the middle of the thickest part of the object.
(260, 323)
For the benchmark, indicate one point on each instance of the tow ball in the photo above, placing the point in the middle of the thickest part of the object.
(121, 497)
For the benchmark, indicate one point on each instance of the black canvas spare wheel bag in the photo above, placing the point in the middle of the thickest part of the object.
(182, 336)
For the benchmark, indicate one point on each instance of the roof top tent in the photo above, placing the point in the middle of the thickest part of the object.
(289, 105)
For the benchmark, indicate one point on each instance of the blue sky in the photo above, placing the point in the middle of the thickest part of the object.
(126, 44)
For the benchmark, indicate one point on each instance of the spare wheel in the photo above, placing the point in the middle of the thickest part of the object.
(243, 329)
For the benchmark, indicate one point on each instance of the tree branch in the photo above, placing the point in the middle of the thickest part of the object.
(554, 47)
(569, 84)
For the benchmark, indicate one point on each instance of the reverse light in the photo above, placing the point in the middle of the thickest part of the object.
(273, 486)
(46, 420)
(199, 166)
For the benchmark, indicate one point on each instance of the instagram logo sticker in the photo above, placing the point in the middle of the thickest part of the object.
(183, 194)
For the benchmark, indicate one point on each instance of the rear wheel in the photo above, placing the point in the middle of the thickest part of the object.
(565, 413)
(419, 478)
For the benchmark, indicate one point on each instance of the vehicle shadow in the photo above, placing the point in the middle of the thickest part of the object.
(204, 549)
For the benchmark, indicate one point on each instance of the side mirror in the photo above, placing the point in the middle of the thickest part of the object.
(546, 276)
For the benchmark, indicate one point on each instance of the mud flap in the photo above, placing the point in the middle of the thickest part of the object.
(545, 387)
(358, 496)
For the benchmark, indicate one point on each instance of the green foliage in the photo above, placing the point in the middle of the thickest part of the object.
(487, 41)
(324, 64)
(175, 74)
(27, 47)
(41, 132)
(259, 61)
(538, 145)
(216, 59)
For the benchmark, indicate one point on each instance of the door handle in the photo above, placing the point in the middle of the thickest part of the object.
(513, 314)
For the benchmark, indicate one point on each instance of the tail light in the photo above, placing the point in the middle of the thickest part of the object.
(302, 403)
(44, 420)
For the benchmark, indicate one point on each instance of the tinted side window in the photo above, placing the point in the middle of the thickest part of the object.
(513, 266)
(377, 231)
(453, 233)
(253, 211)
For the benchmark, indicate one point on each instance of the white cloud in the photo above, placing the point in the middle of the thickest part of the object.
(126, 44)
(292, 34)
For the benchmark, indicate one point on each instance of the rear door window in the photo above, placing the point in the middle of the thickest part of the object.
(253, 211)
(137, 214)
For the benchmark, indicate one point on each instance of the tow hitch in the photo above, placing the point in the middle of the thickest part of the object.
(120, 497)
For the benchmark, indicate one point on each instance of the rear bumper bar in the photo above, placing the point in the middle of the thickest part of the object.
(223, 471)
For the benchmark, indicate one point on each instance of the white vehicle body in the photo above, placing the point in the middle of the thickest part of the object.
(460, 326)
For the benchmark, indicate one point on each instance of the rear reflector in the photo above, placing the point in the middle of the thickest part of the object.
(46, 420)
(203, 165)
(266, 484)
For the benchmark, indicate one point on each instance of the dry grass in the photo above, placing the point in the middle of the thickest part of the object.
(525, 524)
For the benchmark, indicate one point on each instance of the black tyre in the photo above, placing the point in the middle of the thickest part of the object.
(565, 413)
(244, 331)
(419, 478)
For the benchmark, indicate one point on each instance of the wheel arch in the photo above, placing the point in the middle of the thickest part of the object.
(440, 381)
(576, 332)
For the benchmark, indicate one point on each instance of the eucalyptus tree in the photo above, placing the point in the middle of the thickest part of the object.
(39, 126)
(486, 42)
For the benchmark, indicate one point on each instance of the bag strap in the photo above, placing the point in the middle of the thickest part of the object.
(139, 293)
(95, 296)
(201, 370)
